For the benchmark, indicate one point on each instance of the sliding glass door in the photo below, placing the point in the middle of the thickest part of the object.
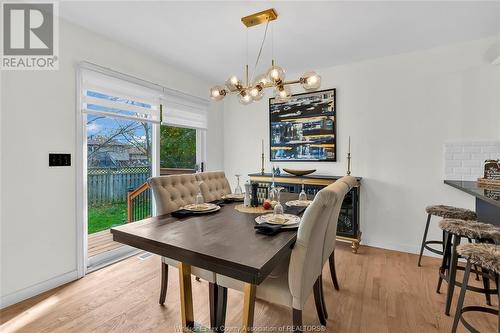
(125, 139)
(119, 161)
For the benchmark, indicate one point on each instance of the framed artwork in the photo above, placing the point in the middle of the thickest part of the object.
(304, 128)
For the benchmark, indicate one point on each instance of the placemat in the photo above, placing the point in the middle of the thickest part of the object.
(252, 210)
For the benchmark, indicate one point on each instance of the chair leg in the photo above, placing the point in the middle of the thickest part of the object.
(444, 262)
(297, 320)
(460, 304)
(452, 272)
(486, 285)
(318, 302)
(424, 238)
(497, 282)
(164, 282)
(322, 294)
(475, 266)
(331, 261)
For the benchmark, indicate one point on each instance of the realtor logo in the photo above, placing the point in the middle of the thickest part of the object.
(29, 36)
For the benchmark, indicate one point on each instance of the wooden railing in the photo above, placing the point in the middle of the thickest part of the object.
(139, 203)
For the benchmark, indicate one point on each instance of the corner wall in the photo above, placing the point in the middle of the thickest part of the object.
(399, 112)
(38, 216)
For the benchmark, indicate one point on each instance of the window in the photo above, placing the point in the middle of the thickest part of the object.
(177, 147)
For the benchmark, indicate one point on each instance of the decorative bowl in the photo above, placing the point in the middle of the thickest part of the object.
(299, 172)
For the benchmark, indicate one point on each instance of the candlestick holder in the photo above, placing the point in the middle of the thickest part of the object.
(262, 165)
(348, 164)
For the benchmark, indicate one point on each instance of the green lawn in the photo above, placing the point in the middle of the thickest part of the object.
(105, 216)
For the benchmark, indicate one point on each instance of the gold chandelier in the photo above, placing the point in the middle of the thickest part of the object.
(274, 77)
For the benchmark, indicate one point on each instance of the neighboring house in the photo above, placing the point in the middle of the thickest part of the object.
(114, 154)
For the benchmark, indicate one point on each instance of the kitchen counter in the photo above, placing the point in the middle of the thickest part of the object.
(487, 199)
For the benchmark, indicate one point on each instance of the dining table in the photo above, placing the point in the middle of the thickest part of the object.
(224, 242)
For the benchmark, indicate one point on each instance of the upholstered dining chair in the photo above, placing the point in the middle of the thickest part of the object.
(293, 281)
(341, 187)
(213, 185)
(171, 193)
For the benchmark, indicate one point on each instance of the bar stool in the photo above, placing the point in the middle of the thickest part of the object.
(486, 256)
(446, 212)
(454, 231)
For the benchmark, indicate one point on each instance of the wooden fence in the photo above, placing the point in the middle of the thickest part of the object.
(106, 185)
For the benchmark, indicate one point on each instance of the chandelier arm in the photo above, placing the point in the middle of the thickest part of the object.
(292, 82)
(260, 51)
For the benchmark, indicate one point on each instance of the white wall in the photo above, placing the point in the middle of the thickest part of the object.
(38, 236)
(399, 111)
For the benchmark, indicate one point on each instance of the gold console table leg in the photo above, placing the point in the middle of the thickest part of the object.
(355, 246)
(187, 316)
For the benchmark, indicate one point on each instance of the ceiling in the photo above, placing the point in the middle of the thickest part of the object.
(207, 38)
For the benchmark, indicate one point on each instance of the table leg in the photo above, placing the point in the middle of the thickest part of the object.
(248, 306)
(187, 316)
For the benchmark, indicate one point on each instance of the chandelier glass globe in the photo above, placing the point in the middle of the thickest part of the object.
(232, 83)
(310, 81)
(262, 80)
(245, 97)
(282, 93)
(217, 93)
(256, 92)
(275, 74)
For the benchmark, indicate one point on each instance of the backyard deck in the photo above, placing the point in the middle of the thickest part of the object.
(101, 242)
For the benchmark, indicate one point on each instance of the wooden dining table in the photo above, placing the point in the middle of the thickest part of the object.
(224, 242)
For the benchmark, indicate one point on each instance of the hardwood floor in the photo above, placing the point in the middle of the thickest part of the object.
(380, 291)
(101, 242)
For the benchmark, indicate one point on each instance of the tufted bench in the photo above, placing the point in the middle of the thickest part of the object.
(455, 230)
(486, 256)
(444, 212)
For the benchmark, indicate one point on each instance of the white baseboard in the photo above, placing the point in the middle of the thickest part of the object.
(37, 289)
(398, 247)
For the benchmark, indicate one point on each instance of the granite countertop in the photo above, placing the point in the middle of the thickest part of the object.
(489, 194)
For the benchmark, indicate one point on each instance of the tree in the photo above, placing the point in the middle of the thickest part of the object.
(177, 147)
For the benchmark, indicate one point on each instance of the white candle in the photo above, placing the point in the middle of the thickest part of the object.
(349, 144)
(262, 146)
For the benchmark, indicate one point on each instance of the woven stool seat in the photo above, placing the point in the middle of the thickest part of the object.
(450, 212)
(484, 255)
(472, 230)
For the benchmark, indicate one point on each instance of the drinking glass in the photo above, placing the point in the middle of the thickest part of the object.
(302, 194)
(238, 189)
(199, 198)
(278, 209)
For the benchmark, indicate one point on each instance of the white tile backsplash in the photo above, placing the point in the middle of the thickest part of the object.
(464, 160)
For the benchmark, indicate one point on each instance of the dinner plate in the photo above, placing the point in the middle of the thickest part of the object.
(289, 221)
(233, 196)
(201, 208)
(298, 203)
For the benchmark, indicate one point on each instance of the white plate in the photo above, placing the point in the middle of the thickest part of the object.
(292, 221)
(201, 208)
(298, 203)
(235, 197)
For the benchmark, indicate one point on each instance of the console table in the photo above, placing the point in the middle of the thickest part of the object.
(348, 227)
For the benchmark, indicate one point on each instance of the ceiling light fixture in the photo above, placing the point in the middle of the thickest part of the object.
(253, 90)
